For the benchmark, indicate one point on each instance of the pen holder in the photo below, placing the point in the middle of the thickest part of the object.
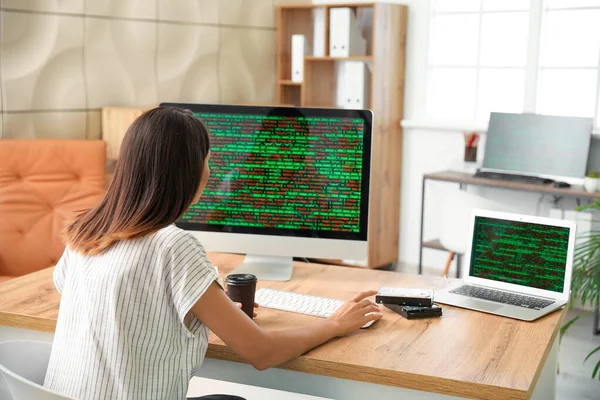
(470, 154)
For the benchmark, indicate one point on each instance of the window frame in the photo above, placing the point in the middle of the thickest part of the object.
(540, 68)
(533, 68)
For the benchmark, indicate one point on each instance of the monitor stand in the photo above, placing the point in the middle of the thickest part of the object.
(266, 268)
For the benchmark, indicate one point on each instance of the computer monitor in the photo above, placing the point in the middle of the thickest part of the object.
(538, 145)
(285, 182)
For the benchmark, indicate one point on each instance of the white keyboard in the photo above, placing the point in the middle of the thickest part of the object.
(299, 303)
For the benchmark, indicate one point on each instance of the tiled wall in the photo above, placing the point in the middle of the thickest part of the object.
(62, 60)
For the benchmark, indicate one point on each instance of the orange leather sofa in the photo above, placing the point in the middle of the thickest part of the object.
(42, 184)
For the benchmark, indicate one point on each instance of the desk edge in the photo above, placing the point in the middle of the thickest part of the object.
(26, 322)
(426, 383)
(501, 184)
(538, 372)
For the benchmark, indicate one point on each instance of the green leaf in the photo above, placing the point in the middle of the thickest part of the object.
(566, 327)
(594, 206)
(591, 353)
(587, 233)
(597, 367)
(585, 284)
(589, 242)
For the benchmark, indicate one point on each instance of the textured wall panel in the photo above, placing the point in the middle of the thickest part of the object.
(42, 61)
(247, 13)
(187, 63)
(120, 63)
(247, 66)
(63, 6)
(119, 55)
(140, 9)
(60, 125)
(205, 11)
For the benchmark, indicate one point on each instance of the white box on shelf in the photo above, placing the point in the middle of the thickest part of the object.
(319, 32)
(299, 50)
(356, 85)
(345, 37)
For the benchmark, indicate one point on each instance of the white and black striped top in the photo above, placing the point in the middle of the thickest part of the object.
(123, 328)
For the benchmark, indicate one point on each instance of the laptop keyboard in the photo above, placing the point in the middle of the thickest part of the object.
(499, 296)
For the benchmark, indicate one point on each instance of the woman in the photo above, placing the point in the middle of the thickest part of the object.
(139, 295)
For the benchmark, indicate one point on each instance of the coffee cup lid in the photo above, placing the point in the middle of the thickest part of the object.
(240, 279)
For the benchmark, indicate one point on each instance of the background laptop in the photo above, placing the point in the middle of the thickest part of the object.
(520, 266)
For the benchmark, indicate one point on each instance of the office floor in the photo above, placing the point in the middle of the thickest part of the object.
(574, 378)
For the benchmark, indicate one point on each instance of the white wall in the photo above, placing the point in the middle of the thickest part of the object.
(427, 150)
(430, 150)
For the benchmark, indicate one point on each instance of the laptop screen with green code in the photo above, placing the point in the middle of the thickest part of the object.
(520, 253)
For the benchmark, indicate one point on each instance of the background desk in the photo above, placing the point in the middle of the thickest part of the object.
(464, 353)
(464, 179)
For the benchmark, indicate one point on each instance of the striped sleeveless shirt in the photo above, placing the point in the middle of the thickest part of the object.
(123, 329)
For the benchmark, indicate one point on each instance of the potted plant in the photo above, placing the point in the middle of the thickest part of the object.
(591, 182)
(585, 281)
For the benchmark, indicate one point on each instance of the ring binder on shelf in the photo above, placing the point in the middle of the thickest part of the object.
(345, 37)
(299, 50)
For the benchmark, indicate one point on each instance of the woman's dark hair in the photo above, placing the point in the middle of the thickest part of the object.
(158, 174)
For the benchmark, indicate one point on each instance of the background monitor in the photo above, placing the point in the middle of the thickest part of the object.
(285, 182)
(539, 145)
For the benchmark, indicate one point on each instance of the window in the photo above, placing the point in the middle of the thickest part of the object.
(513, 56)
(569, 63)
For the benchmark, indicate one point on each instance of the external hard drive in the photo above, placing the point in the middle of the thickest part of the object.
(412, 312)
(405, 297)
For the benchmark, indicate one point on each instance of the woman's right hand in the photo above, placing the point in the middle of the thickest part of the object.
(357, 312)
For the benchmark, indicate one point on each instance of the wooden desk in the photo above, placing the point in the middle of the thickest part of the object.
(463, 353)
(464, 179)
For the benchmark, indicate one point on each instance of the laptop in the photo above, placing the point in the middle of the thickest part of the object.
(519, 267)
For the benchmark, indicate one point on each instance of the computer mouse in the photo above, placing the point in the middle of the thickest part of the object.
(368, 324)
(559, 184)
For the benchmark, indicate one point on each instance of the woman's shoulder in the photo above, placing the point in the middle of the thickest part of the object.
(172, 236)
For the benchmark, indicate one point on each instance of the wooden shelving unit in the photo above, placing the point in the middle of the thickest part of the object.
(385, 57)
(289, 83)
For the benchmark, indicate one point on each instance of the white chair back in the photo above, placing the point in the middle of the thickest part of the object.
(23, 365)
(454, 212)
(200, 387)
